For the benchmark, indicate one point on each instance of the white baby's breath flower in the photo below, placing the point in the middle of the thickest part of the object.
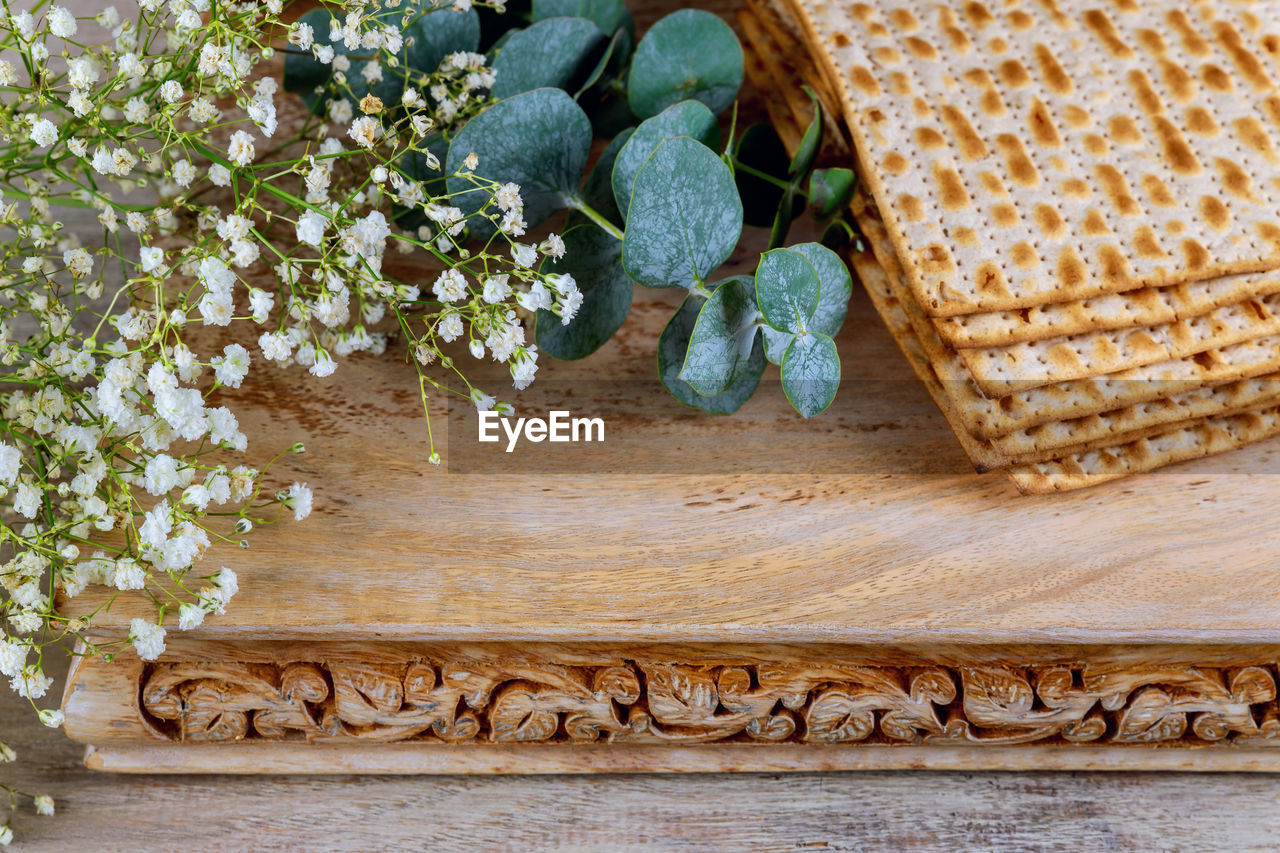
(324, 365)
(450, 286)
(151, 258)
(190, 616)
(310, 228)
(524, 255)
(449, 327)
(241, 148)
(232, 366)
(183, 173)
(61, 22)
(171, 91)
(219, 175)
(365, 131)
(147, 638)
(496, 288)
(43, 132)
(299, 499)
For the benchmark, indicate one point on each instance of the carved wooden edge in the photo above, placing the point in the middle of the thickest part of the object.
(443, 698)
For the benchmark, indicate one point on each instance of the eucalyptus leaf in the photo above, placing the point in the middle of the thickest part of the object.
(775, 343)
(685, 216)
(811, 142)
(835, 284)
(811, 373)
(438, 34)
(723, 338)
(836, 287)
(594, 259)
(611, 59)
(687, 54)
(761, 149)
(672, 347)
(608, 15)
(687, 118)
(787, 288)
(597, 189)
(831, 190)
(610, 113)
(555, 52)
(539, 140)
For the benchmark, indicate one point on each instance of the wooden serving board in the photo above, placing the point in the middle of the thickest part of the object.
(697, 593)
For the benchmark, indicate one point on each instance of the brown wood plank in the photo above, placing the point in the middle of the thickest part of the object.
(873, 811)
(860, 525)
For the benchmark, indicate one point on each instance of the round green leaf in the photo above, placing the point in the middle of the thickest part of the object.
(723, 338)
(437, 34)
(555, 52)
(610, 113)
(831, 190)
(687, 118)
(539, 140)
(833, 301)
(594, 259)
(608, 15)
(835, 286)
(687, 54)
(775, 343)
(787, 288)
(761, 149)
(685, 216)
(811, 373)
(811, 142)
(672, 347)
(607, 67)
(597, 189)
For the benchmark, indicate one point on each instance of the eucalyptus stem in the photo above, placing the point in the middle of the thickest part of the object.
(580, 205)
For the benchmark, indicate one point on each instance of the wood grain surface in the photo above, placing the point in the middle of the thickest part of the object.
(872, 811)
(860, 525)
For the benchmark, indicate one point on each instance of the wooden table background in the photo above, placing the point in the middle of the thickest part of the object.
(902, 811)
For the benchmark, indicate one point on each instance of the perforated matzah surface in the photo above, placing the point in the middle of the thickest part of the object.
(990, 418)
(1213, 435)
(1144, 307)
(1003, 370)
(1111, 454)
(1024, 153)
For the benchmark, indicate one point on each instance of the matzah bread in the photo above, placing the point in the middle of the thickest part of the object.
(759, 75)
(1214, 435)
(987, 418)
(1030, 153)
(1144, 307)
(1071, 467)
(772, 30)
(1004, 370)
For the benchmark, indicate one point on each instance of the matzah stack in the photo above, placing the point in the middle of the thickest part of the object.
(1072, 209)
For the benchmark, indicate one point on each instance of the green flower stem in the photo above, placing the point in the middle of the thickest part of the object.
(586, 210)
(765, 176)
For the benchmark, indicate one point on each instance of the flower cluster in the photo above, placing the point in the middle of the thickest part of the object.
(300, 239)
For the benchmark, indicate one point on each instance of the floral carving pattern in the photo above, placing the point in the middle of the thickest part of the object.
(644, 701)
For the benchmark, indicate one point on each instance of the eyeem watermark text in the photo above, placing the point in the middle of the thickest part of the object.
(558, 426)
